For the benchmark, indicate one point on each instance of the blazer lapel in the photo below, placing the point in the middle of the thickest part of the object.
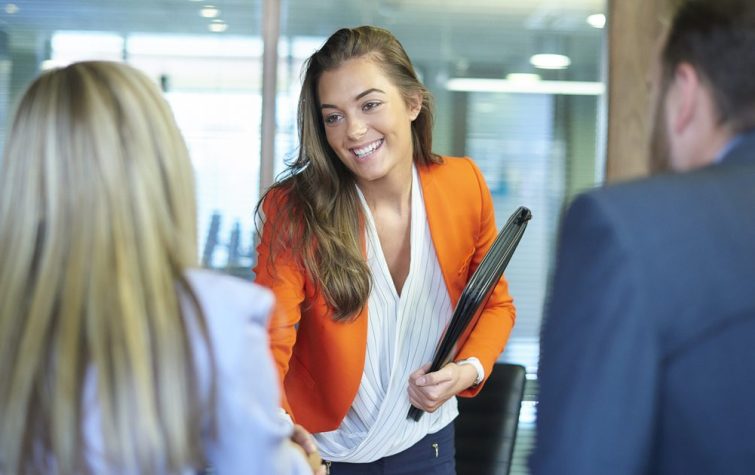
(440, 221)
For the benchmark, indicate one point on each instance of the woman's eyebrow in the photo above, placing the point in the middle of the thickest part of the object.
(368, 91)
(359, 96)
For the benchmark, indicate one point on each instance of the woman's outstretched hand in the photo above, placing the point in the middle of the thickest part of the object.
(303, 439)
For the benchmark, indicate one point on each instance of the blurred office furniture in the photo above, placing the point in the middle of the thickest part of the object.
(212, 240)
(234, 245)
(229, 255)
(487, 424)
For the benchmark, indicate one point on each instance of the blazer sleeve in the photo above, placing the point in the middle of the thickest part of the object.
(250, 436)
(490, 334)
(285, 277)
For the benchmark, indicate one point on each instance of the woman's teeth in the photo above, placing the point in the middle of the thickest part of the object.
(364, 151)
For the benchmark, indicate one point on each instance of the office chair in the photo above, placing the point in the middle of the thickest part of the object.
(487, 424)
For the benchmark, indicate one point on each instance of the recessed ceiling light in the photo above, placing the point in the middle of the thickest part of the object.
(11, 8)
(209, 11)
(550, 61)
(217, 26)
(597, 20)
(535, 87)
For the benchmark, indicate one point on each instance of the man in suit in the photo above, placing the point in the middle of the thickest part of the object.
(647, 361)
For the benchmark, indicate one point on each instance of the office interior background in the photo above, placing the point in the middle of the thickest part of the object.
(534, 124)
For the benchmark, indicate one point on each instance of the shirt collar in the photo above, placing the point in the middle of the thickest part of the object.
(732, 144)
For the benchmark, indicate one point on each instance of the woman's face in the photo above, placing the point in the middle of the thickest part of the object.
(367, 121)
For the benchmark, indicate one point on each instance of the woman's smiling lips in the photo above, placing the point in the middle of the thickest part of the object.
(367, 150)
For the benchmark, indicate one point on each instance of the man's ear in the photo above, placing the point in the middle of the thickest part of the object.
(684, 100)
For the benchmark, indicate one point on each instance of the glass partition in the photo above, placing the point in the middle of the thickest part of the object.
(207, 58)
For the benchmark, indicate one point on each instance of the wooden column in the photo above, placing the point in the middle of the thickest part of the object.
(270, 34)
(634, 30)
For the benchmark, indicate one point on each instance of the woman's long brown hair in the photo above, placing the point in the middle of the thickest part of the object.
(319, 216)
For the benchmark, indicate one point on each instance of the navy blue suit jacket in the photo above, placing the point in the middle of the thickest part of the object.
(648, 343)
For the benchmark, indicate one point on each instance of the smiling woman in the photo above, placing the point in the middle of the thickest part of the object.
(367, 245)
(368, 123)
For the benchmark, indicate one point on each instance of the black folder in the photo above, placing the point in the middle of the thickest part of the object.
(477, 291)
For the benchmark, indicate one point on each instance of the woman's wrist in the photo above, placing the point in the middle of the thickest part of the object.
(479, 371)
(467, 376)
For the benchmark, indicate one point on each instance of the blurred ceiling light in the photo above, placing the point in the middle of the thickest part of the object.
(597, 20)
(550, 61)
(209, 11)
(87, 44)
(51, 64)
(522, 77)
(217, 26)
(569, 88)
(11, 8)
(193, 45)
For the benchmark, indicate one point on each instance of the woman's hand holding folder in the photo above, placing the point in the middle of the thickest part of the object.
(428, 391)
(472, 301)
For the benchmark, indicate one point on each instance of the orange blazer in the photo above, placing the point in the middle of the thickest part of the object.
(321, 361)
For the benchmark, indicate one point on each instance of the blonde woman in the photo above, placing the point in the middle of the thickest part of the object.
(114, 356)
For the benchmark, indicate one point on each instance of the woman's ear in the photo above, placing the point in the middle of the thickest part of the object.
(414, 104)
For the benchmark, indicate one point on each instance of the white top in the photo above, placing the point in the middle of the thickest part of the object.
(402, 333)
(251, 437)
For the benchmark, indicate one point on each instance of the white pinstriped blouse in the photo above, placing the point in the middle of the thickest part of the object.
(402, 332)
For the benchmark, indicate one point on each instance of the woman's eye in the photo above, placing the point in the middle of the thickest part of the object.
(368, 106)
(332, 119)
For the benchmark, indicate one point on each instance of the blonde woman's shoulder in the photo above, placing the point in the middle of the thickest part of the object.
(236, 313)
(223, 296)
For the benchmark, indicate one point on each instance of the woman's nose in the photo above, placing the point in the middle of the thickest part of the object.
(356, 129)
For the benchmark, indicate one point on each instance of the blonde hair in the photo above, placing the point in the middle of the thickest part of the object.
(97, 225)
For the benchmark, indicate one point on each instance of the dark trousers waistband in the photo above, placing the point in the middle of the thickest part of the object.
(432, 455)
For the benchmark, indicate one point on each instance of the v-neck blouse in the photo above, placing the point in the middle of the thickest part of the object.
(402, 333)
